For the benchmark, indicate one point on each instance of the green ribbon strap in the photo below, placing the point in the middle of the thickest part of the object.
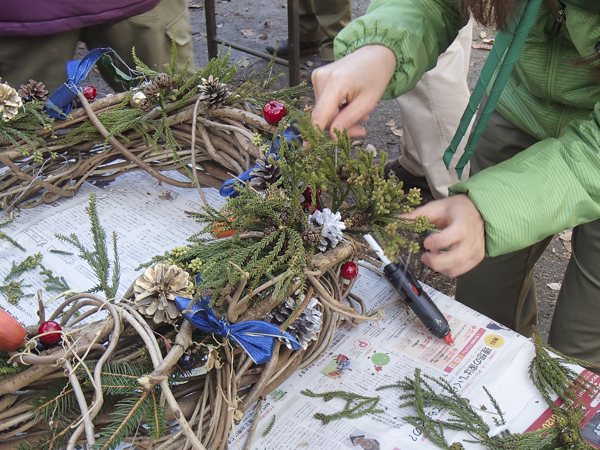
(505, 52)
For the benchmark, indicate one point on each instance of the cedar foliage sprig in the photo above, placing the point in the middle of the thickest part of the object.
(14, 292)
(423, 396)
(29, 263)
(52, 282)
(356, 405)
(357, 186)
(6, 367)
(23, 130)
(551, 374)
(97, 258)
(270, 427)
(4, 236)
(278, 214)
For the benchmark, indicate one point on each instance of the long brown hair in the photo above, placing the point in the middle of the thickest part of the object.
(492, 13)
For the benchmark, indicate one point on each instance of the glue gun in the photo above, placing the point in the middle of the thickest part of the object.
(413, 294)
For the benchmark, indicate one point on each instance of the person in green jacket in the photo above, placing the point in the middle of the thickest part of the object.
(535, 171)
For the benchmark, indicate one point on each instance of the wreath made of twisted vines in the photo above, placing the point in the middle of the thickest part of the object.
(117, 373)
(194, 125)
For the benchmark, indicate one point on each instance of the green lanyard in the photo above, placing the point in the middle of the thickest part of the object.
(494, 76)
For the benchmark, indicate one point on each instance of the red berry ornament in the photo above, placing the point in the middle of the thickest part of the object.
(349, 270)
(90, 92)
(274, 111)
(54, 331)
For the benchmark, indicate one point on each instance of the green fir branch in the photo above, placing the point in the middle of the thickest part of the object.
(123, 422)
(98, 258)
(29, 263)
(356, 405)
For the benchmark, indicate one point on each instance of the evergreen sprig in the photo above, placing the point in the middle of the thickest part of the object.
(4, 236)
(426, 394)
(14, 291)
(29, 263)
(7, 368)
(355, 184)
(551, 374)
(356, 405)
(270, 427)
(23, 130)
(98, 260)
(52, 282)
(131, 404)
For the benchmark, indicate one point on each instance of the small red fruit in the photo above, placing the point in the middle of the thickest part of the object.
(54, 330)
(90, 92)
(274, 111)
(349, 270)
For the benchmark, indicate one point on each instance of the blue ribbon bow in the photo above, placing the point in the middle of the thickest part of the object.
(256, 337)
(228, 189)
(77, 70)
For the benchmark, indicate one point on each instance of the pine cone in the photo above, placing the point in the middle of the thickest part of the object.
(151, 89)
(213, 92)
(283, 215)
(156, 289)
(270, 230)
(163, 81)
(311, 236)
(307, 326)
(10, 102)
(34, 91)
(265, 174)
(360, 219)
(146, 105)
(332, 226)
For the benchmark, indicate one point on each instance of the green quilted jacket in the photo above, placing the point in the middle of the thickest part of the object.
(553, 185)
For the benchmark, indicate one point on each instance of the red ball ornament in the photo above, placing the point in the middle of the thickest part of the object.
(274, 111)
(349, 270)
(90, 92)
(50, 327)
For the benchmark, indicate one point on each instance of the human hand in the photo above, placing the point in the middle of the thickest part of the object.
(462, 234)
(360, 79)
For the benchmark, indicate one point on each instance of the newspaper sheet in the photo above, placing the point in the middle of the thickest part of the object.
(147, 222)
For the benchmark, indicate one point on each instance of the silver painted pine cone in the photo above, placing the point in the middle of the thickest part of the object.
(331, 227)
(306, 327)
(156, 289)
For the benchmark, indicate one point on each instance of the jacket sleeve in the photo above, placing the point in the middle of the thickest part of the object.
(417, 31)
(547, 188)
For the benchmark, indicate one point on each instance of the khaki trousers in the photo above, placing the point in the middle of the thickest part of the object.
(431, 112)
(321, 21)
(503, 287)
(43, 58)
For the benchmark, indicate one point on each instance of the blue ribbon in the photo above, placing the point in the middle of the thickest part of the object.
(77, 70)
(228, 189)
(256, 337)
